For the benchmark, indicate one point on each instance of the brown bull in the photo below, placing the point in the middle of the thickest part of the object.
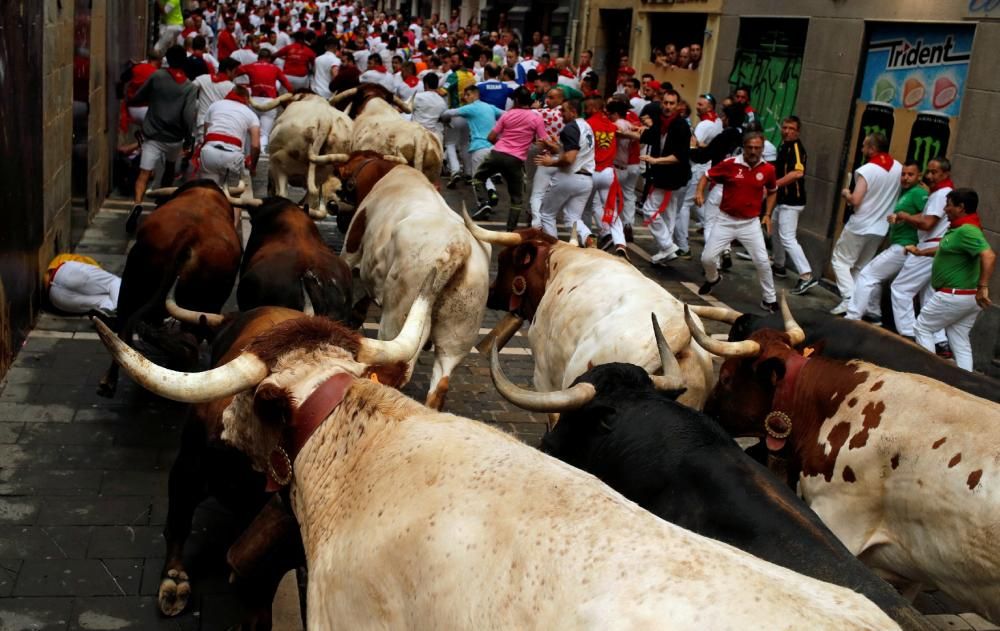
(353, 101)
(190, 239)
(358, 175)
(286, 259)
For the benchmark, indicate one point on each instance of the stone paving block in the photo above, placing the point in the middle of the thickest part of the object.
(18, 510)
(8, 576)
(119, 483)
(948, 622)
(121, 614)
(125, 542)
(36, 614)
(16, 392)
(10, 432)
(36, 413)
(76, 577)
(68, 434)
(43, 542)
(978, 623)
(150, 584)
(49, 481)
(71, 511)
(145, 434)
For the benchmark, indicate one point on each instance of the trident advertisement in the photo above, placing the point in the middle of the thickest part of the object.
(918, 67)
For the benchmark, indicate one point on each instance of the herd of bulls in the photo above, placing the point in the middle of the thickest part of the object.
(407, 517)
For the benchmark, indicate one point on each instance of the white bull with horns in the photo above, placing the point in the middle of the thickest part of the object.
(309, 127)
(411, 518)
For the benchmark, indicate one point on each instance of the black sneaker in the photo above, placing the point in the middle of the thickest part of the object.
(493, 197)
(779, 271)
(708, 285)
(454, 180)
(622, 251)
(483, 211)
(605, 243)
(468, 180)
(943, 350)
(769, 307)
(684, 254)
(133, 219)
(727, 262)
(804, 285)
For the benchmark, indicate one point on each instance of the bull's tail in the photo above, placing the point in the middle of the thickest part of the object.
(322, 131)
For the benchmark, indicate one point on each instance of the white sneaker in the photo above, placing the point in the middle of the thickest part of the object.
(663, 256)
(840, 309)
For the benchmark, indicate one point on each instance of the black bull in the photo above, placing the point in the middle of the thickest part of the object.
(838, 338)
(682, 466)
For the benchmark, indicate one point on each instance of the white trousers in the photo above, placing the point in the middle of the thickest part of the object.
(867, 296)
(710, 210)
(913, 279)
(475, 159)
(79, 287)
(456, 146)
(168, 37)
(954, 314)
(220, 161)
(628, 178)
(662, 228)
(786, 225)
(266, 120)
(683, 221)
(539, 184)
(568, 192)
(850, 255)
(602, 186)
(747, 232)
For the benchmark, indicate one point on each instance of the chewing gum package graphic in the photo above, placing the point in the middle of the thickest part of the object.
(913, 93)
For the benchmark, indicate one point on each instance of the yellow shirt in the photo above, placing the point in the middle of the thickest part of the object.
(63, 258)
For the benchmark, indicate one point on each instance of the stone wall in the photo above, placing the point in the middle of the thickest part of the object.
(98, 166)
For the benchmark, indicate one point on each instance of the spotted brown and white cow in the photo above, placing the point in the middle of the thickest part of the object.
(902, 468)
(411, 518)
(583, 305)
(401, 231)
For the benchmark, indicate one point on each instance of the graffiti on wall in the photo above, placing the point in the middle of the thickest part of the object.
(774, 85)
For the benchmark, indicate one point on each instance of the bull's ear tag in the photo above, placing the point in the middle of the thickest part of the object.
(807, 351)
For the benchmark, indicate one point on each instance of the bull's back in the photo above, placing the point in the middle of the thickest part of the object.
(469, 505)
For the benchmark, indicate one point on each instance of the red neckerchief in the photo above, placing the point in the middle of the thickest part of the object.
(971, 218)
(666, 122)
(709, 116)
(566, 73)
(219, 77)
(882, 159)
(944, 184)
(233, 96)
(377, 68)
(411, 81)
(178, 75)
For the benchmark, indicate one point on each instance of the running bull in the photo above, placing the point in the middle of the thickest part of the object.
(582, 304)
(410, 517)
(900, 467)
(680, 465)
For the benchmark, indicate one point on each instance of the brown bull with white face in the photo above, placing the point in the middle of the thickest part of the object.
(902, 468)
(582, 304)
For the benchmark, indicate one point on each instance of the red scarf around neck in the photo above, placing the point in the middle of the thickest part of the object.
(971, 218)
(377, 68)
(666, 122)
(411, 81)
(233, 96)
(946, 183)
(709, 116)
(219, 77)
(178, 74)
(882, 159)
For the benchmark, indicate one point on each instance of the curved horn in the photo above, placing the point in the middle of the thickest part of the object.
(403, 106)
(162, 192)
(746, 348)
(792, 327)
(574, 236)
(672, 380)
(340, 96)
(188, 316)
(251, 202)
(391, 158)
(407, 343)
(307, 305)
(273, 103)
(489, 236)
(571, 398)
(329, 158)
(719, 314)
(242, 373)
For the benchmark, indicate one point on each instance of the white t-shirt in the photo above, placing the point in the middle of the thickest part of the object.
(570, 81)
(869, 218)
(637, 103)
(706, 130)
(322, 66)
(208, 93)
(935, 208)
(404, 91)
(382, 78)
(244, 56)
(585, 153)
(770, 151)
(427, 110)
(361, 59)
(231, 118)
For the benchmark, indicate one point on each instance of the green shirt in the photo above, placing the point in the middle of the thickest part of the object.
(911, 202)
(956, 263)
(570, 93)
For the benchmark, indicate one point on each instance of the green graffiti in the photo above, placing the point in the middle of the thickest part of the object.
(925, 149)
(774, 84)
(868, 130)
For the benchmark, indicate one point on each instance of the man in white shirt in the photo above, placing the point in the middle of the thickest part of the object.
(212, 88)
(636, 102)
(325, 69)
(228, 124)
(709, 126)
(428, 105)
(876, 187)
(249, 53)
(573, 180)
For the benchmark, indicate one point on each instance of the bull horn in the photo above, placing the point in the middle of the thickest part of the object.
(489, 236)
(407, 342)
(162, 192)
(571, 398)
(719, 314)
(340, 96)
(242, 202)
(212, 320)
(746, 348)
(307, 305)
(243, 372)
(237, 190)
(391, 158)
(574, 236)
(329, 158)
(792, 327)
(273, 103)
(403, 106)
(672, 381)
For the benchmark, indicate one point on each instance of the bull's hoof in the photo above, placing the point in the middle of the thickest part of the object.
(174, 592)
(106, 389)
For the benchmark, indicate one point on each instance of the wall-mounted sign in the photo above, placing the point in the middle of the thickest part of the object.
(918, 67)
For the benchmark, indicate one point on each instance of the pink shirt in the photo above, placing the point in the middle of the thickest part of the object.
(516, 130)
